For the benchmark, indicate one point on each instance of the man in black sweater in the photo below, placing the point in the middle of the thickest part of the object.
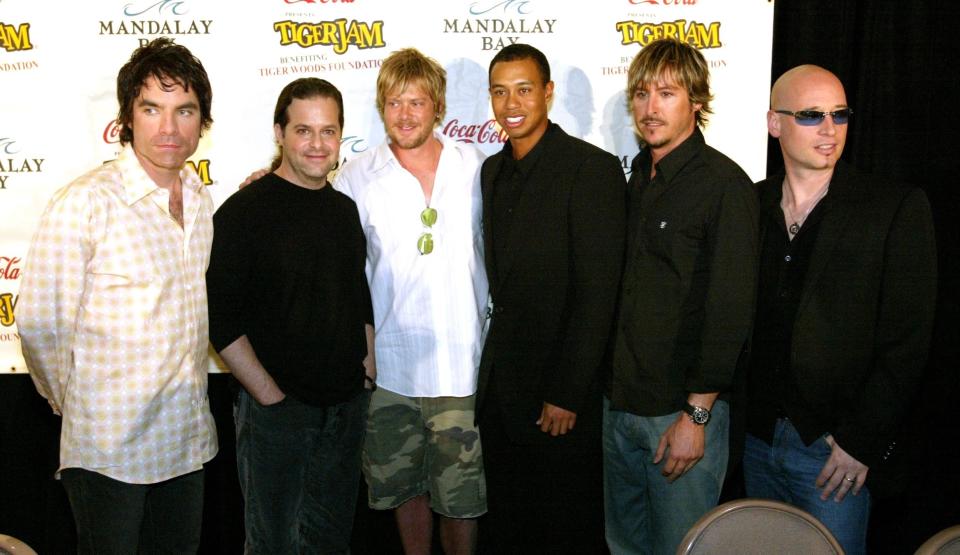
(290, 315)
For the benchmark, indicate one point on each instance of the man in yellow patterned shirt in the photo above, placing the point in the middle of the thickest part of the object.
(113, 317)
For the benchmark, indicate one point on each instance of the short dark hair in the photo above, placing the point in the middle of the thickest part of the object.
(304, 88)
(522, 51)
(171, 65)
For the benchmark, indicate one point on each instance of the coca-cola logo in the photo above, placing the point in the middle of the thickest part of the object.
(111, 133)
(9, 267)
(484, 133)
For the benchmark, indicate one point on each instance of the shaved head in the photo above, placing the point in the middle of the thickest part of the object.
(808, 147)
(798, 79)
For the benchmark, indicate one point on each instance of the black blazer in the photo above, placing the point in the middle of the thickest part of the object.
(554, 288)
(862, 328)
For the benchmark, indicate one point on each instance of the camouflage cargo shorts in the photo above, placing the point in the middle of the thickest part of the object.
(423, 445)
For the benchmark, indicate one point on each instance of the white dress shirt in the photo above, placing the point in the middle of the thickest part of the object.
(429, 310)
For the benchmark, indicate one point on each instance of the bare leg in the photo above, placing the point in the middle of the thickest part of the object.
(415, 523)
(458, 535)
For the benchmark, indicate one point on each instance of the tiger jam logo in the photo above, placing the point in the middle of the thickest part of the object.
(698, 35)
(339, 33)
(9, 270)
(14, 38)
(202, 169)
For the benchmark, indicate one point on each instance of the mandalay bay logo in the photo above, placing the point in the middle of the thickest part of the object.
(14, 164)
(148, 19)
(499, 23)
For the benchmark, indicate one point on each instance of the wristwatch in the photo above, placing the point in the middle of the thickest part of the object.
(698, 415)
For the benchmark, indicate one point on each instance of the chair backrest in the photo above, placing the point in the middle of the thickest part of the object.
(758, 526)
(10, 545)
(944, 542)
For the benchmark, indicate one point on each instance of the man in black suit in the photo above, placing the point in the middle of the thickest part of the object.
(845, 310)
(553, 216)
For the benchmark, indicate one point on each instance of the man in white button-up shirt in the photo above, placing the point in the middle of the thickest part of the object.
(418, 196)
(113, 317)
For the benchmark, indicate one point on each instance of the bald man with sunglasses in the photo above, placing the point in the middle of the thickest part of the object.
(844, 313)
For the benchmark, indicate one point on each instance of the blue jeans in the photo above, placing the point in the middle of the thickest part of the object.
(787, 471)
(299, 469)
(645, 513)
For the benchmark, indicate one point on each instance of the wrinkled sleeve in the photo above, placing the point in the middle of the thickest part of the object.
(596, 236)
(730, 296)
(52, 288)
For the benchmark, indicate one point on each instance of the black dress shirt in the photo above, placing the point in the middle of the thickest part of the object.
(688, 288)
(772, 385)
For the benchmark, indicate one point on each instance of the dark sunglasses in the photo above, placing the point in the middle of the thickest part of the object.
(814, 117)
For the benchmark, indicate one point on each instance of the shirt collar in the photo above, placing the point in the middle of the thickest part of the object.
(526, 164)
(671, 164)
(383, 156)
(137, 184)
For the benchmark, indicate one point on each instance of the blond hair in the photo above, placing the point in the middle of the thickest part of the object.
(409, 66)
(684, 63)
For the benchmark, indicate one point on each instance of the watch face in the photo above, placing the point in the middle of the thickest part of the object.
(700, 415)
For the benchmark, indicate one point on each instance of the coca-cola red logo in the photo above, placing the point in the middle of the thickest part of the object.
(484, 133)
(111, 133)
(9, 268)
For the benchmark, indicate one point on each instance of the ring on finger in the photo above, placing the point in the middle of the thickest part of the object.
(849, 479)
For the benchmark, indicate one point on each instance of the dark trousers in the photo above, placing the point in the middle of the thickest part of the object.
(299, 469)
(545, 497)
(115, 517)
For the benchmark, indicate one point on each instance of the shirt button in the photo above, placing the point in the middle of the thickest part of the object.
(787, 258)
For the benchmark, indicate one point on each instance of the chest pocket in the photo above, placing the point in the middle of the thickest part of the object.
(672, 237)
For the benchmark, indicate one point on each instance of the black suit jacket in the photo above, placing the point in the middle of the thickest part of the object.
(554, 287)
(862, 328)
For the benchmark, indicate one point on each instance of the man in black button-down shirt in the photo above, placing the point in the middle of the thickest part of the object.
(686, 305)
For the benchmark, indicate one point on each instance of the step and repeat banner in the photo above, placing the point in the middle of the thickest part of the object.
(59, 60)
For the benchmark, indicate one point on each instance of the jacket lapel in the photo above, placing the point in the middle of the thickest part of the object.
(832, 227)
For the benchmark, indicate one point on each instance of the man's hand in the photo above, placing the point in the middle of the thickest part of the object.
(555, 420)
(254, 176)
(270, 397)
(683, 443)
(370, 361)
(842, 473)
